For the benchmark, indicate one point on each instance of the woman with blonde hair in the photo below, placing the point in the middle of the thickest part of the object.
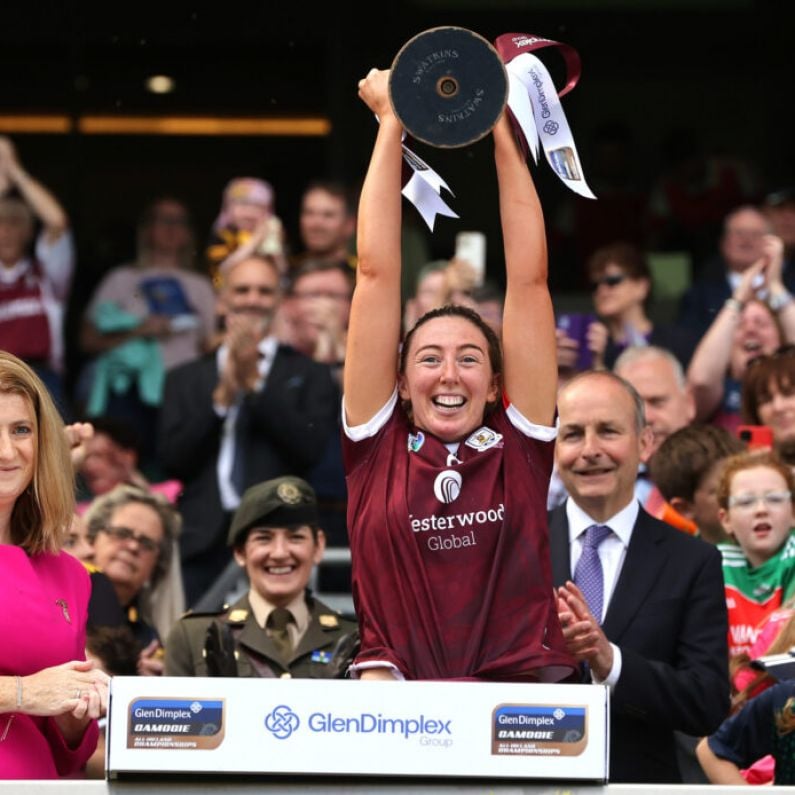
(50, 695)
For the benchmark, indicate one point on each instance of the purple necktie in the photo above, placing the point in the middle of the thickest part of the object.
(588, 575)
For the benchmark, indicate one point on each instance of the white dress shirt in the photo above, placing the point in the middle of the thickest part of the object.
(612, 552)
(230, 499)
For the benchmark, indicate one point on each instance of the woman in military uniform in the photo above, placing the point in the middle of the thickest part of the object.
(277, 629)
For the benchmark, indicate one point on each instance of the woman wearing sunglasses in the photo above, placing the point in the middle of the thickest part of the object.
(134, 533)
(746, 327)
(621, 282)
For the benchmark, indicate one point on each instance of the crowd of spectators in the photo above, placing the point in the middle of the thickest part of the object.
(213, 382)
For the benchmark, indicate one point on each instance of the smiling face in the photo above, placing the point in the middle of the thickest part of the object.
(743, 235)
(127, 562)
(18, 433)
(599, 448)
(325, 224)
(777, 411)
(106, 464)
(756, 335)
(448, 378)
(759, 526)
(614, 300)
(251, 294)
(279, 560)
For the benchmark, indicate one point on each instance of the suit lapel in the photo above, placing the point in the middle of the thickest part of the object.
(638, 577)
(559, 546)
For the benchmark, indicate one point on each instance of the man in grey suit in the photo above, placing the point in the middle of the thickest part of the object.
(647, 616)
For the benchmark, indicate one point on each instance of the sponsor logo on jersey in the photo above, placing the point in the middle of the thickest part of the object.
(447, 485)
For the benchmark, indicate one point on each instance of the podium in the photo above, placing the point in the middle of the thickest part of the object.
(312, 727)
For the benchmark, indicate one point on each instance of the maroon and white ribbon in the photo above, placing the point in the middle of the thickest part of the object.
(534, 105)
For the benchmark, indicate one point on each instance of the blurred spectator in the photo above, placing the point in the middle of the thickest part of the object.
(743, 329)
(763, 727)
(144, 319)
(686, 469)
(111, 459)
(659, 379)
(104, 609)
(438, 283)
(253, 410)
(114, 651)
(317, 309)
(768, 398)
(277, 628)
(489, 303)
(742, 243)
(327, 223)
(34, 287)
(621, 282)
(173, 305)
(134, 535)
(246, 225)
(779, 207)
(430, 292)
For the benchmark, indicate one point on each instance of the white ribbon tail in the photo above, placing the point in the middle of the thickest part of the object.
(551, 124)
(519, 103)
(424, 188)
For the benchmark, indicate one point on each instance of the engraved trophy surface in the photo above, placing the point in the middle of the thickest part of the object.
(448, 87)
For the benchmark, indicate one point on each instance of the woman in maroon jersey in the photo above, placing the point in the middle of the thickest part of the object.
(447, 479)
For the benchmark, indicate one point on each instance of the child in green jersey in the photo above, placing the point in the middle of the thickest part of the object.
(755, 494)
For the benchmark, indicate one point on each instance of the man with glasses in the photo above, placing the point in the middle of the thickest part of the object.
(252, 410)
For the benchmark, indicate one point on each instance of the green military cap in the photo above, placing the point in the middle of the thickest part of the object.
(282, 502)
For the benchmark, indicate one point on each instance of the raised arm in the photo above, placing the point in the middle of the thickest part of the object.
(528, 337)
(374, 327)
(712, 356)
(43, 203)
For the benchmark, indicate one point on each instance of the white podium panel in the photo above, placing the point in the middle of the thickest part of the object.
(316, 727)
